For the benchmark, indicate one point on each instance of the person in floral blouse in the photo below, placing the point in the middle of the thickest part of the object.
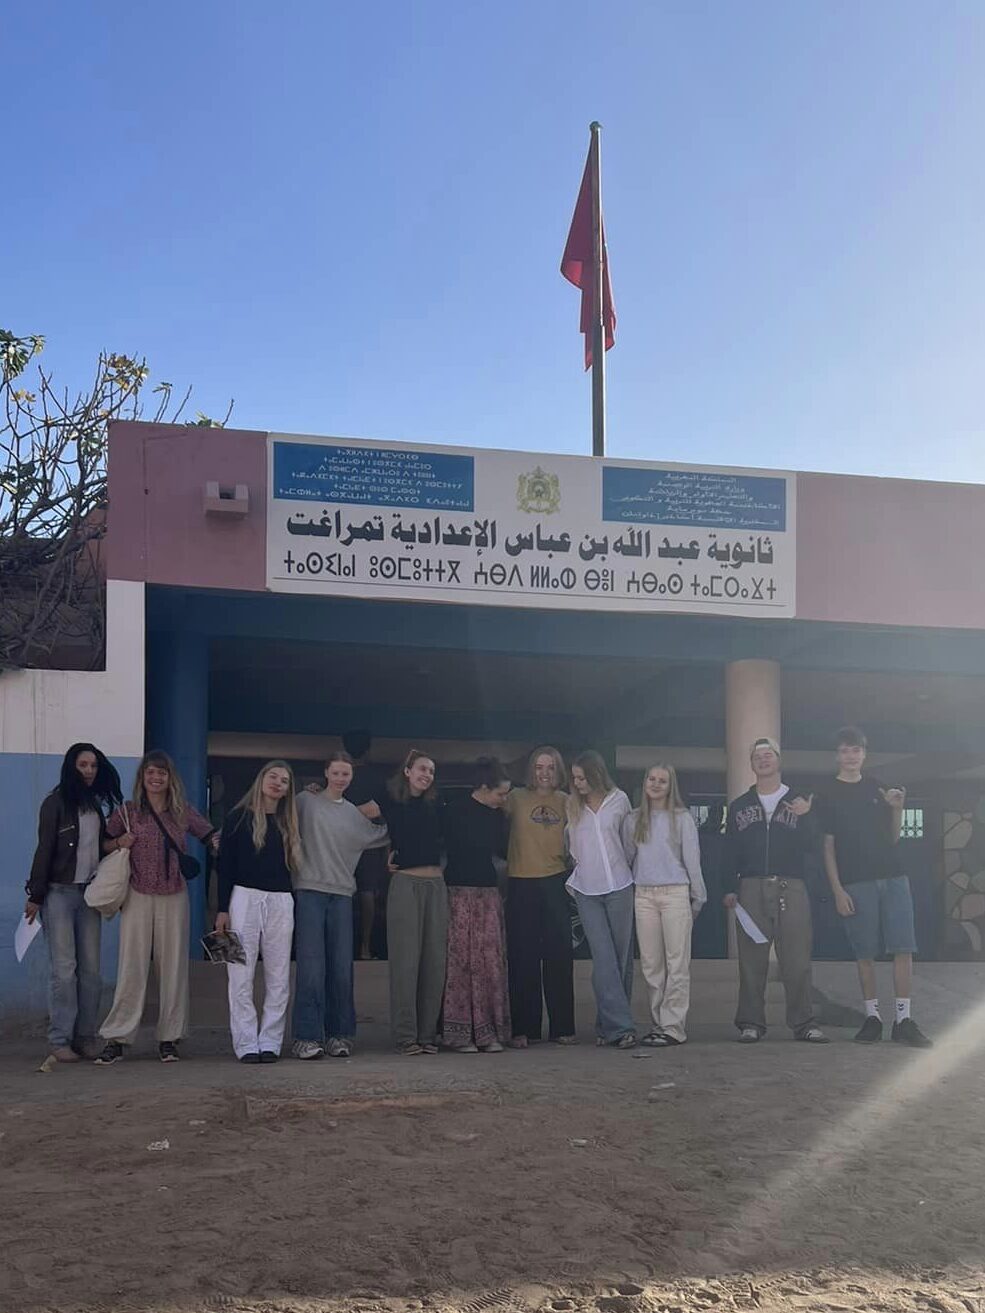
(155, 917)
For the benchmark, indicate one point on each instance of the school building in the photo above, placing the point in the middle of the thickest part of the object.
(267, 592)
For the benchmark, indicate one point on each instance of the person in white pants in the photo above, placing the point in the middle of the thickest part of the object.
(259, 849)
(661, 843)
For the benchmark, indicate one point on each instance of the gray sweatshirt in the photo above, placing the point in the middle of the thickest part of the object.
(660, 861)
(334, 835)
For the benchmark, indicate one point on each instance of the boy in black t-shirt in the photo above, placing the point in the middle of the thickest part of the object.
(861, 824)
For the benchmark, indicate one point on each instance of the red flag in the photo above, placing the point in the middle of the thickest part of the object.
(578, 264)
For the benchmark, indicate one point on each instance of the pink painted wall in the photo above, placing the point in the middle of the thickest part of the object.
(158, 531)
(890, 551)
(869, 551)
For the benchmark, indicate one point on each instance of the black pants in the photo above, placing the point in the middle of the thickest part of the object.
(538, 939)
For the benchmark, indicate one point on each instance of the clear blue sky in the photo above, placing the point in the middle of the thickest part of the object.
(349, 218)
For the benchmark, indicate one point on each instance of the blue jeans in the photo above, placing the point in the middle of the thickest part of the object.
(883, 918)
(607, 920)
(72, 931)
(323, 1004)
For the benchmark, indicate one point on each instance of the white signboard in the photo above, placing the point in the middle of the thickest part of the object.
(449, 524)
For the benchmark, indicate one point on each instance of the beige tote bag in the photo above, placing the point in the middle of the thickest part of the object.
(107, 891)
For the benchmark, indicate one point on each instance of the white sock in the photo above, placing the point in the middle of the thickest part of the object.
(872, 1008)
(902, 1009)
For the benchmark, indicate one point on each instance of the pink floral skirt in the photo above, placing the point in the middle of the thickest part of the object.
(477, 1001)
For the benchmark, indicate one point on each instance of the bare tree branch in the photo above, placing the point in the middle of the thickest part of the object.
(53, 498)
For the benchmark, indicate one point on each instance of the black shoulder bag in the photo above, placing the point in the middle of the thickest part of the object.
(190, 867)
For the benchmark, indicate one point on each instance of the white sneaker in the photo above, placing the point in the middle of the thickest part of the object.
(306, 1049)
(339, 1048)
(494, 1047)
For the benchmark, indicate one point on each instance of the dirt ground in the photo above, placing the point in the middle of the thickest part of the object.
(784, 1176)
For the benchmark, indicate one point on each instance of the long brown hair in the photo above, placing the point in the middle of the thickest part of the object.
(285, 816)
(397, 785)
(675, 805)
(595, 771)
(560, 773)
(177, 802)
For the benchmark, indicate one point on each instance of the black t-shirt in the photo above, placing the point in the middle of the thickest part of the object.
(861, 822)
(474, 834)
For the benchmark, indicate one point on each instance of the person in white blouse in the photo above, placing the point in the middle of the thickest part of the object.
(602, 884)
(661, 842)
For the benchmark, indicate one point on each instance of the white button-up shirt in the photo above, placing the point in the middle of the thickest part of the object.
(595, 843)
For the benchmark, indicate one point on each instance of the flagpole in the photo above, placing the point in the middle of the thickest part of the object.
(598, 325)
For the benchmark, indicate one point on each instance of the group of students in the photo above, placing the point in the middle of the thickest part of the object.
(464, 971)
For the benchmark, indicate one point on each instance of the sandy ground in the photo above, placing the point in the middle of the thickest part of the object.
(711, 1177)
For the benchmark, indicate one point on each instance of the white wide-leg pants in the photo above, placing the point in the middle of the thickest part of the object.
(264, 923)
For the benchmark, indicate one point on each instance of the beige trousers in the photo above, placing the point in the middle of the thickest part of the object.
(782, 911)
(663, 932)
(153, 927)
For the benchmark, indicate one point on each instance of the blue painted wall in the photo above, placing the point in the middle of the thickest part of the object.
(24, 781)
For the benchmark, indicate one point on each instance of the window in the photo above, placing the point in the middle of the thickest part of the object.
(912, 826)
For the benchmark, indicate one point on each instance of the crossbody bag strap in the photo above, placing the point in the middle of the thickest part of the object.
(169, 842)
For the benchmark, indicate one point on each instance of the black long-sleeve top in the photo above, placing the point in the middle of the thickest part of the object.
(240, 863)
(474, 835)
(416, 830)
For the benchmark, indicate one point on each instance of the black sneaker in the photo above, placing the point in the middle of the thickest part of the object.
(252, 1058)
(871, 1032)
(168, 1051)
(268, 1055)
(908, 1032)
(112, 1052)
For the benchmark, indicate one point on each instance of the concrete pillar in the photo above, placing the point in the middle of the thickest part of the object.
(178, 723)
(752, 711)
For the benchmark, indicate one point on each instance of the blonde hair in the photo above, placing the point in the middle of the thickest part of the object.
(595, 771)
(675, 805)
(560, 774)
(285, 816)
(177, 803)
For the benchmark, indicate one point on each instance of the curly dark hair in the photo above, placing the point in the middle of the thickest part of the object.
(105, 790)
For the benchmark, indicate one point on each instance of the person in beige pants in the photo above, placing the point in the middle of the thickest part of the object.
(661, 843)
(154, 919)
(151, 925)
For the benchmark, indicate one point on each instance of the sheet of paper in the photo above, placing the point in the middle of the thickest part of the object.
(25, 935)
(749, 925)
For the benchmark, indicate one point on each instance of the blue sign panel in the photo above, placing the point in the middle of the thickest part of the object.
(693, 497)
(373, 476)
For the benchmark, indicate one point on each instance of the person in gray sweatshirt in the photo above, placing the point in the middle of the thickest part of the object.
(334, 835)
(661, 843)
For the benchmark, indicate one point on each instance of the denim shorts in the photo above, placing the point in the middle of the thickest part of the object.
(883, 920)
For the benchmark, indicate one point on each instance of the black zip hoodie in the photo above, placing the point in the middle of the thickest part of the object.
(755, 848)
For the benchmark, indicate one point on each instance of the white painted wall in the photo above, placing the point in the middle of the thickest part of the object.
(43, 711)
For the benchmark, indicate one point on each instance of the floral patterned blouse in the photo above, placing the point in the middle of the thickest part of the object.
(153, 864)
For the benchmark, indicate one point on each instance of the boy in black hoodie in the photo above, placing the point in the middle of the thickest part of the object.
(768, 837)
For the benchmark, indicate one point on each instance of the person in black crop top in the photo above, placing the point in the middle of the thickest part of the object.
(259, 848)
(476, 1001)
(417, 908)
